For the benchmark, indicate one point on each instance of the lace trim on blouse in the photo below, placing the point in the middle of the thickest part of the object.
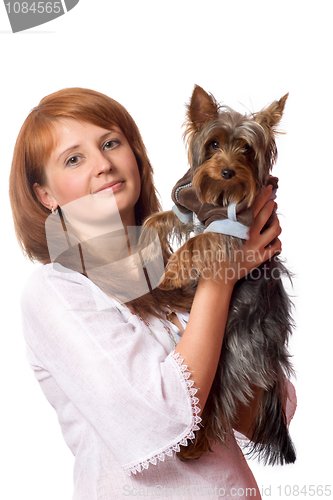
(191, 391)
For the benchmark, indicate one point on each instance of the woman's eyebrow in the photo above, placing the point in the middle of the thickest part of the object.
(78, 145)
(68, 149)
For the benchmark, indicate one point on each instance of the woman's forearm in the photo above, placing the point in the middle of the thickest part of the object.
(201, 342)
(247, 413)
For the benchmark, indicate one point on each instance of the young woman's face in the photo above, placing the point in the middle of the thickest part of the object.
(90, 160)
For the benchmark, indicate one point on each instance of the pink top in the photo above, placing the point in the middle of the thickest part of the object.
(124, 401)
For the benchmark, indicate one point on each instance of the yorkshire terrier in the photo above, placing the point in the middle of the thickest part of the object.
(231, 156)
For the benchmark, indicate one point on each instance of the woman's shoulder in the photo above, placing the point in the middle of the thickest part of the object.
(45, 275)
(50, 280)
(52, 286)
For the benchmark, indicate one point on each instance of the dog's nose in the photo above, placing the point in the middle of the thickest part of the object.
(227, 173)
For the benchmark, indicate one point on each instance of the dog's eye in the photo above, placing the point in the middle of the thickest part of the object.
(247, 149)
(215, 145)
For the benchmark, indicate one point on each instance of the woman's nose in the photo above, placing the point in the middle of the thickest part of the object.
(102, 164)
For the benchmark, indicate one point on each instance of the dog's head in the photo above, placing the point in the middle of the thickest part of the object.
(230, 154)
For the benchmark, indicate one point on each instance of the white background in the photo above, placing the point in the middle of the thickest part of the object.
(148, 55)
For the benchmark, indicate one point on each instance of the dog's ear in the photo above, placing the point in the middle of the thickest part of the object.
(271, 116)
(202, 107)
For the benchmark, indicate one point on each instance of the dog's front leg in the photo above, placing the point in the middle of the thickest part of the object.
(165, 223)
(201, 255)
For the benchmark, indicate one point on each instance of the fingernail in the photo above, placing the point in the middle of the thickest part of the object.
(267, 188)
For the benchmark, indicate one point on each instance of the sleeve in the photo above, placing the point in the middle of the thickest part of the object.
(138, 397)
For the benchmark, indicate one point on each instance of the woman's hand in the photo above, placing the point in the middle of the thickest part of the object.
(260, 246)
(202, 340)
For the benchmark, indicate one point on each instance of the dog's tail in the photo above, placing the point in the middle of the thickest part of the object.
(271, 442)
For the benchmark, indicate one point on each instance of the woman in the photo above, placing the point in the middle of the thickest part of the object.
(121, 377)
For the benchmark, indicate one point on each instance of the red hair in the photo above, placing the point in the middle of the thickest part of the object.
(36, 140)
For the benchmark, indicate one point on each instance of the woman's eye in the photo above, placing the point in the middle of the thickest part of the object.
(110, 144)
(73, 160)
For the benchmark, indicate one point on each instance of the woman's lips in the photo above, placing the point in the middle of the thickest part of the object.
(108, 188)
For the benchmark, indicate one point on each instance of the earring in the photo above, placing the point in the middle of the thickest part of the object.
(53, 211)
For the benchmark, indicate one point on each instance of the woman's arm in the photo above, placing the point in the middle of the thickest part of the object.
(246, 414)
(201, 342)
(105, 370)
(111, 373)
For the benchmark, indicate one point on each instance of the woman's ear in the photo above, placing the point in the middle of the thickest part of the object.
(44, 197)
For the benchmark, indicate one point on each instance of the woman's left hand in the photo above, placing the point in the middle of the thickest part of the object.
(261, 245)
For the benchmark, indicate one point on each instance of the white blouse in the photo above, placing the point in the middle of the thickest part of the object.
(124, 401)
